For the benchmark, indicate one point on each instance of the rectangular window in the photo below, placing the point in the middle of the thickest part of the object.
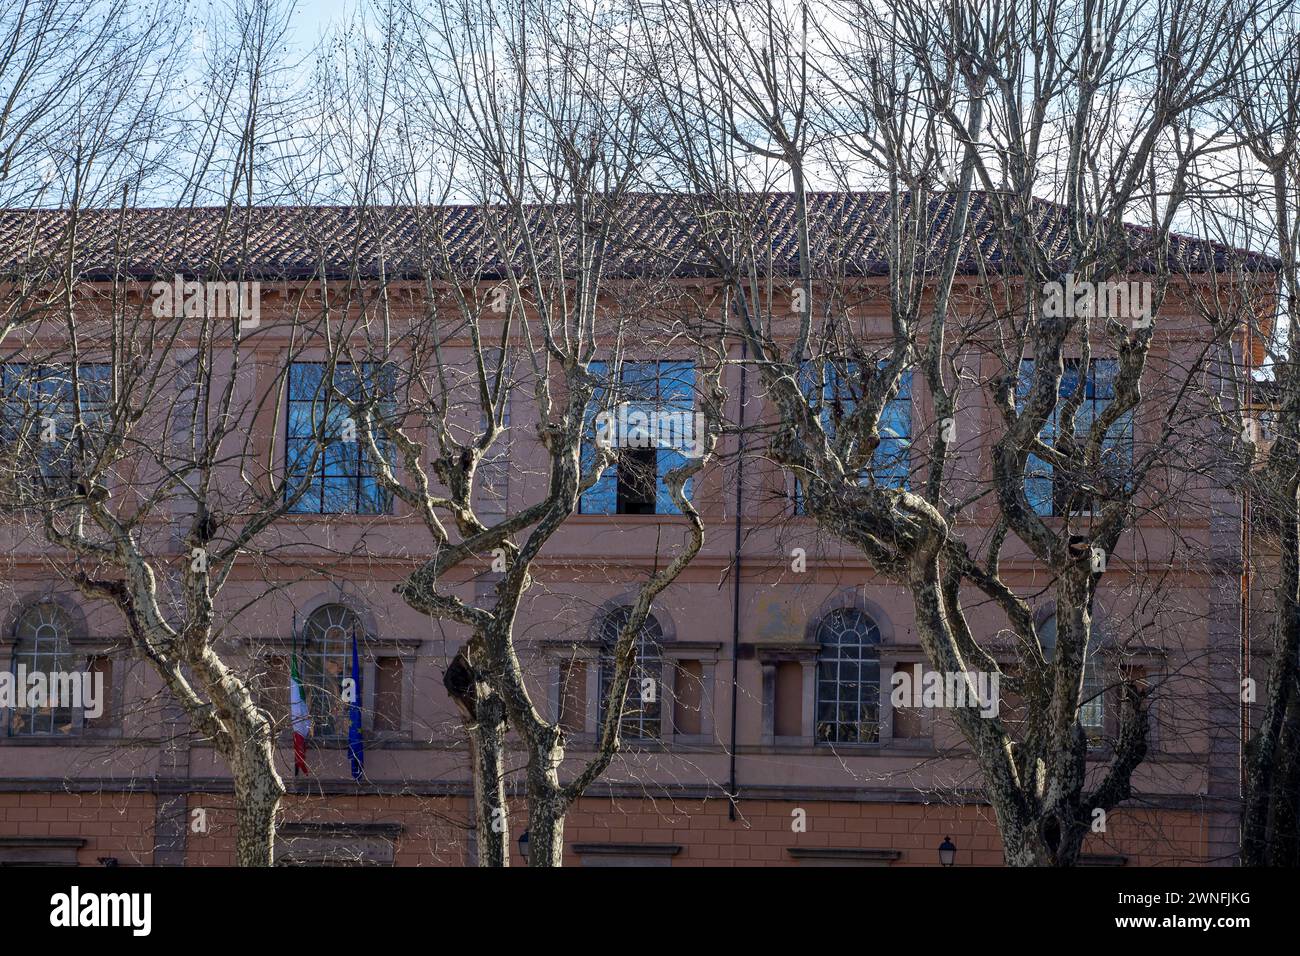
(272, 683)
(909, 722)
(573, 696)
(493, 481)
(661, 394)
(840, 393)
(891, 461)
(1135, 681)
(323, 451)
(1092, 702)
(41, 406)
(1053, 493)
(102, 666)
(787, 699)
(388, 693)
(688, 697)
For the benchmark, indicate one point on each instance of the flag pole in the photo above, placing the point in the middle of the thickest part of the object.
(293, 655)
(356, 745)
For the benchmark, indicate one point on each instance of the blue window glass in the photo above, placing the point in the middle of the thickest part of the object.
(840, 393)
(649, 408)
(602, 498)
(891, 462)
(39, 400)
(676, 395)
(325, 458)
(1048, 493)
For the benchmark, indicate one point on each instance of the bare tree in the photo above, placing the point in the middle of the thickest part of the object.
(1003, 177)
(1264, 111)
(140, 445)
(522, 292)
(133, 405)
(80, 85)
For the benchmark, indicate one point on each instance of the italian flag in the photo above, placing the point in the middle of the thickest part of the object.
(300, 717)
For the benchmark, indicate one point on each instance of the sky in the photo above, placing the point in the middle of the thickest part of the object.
(315, 17)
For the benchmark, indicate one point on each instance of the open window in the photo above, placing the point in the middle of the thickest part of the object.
(645, 411)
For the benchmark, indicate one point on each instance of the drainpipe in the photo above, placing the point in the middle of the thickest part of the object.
(735, 579)
(1245, 634)
(1244, 623)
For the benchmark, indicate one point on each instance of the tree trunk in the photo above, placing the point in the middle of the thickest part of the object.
(1041, 814)
(545, 830)
(487, 736)
(248, 739)
(547, 802)
(1267, 757)
(1046, 839)
(1284, 827)
(1021, 845)
(483, 714)
(257, 799)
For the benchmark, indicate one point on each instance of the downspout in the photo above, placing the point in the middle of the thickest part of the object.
(1244, 622)
(735, 578)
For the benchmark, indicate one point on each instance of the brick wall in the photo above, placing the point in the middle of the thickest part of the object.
(433, 831)
(762, 833)
(118, 825)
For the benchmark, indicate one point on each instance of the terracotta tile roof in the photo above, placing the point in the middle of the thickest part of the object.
(650, 233)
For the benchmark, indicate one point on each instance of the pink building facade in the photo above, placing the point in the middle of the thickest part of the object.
(760, 747)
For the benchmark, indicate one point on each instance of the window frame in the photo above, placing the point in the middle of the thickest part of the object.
(1052, 498)
(1093, 691)
(609, 484)
(95, 409)
(64, 661)
(870, 654)
(649, 665)
(318, 488)
(313, 681)
(898, 467)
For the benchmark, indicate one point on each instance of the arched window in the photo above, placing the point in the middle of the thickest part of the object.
(1092, 709)
(325, 659)
(642, 703)
(42, 646)
(848, 678)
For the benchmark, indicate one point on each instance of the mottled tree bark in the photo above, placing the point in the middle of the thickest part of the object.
(226, 713)
(547, 800)
(258, 790)
(1284, 848)
(483, 715)
(1267, 94)
(1268, 801)
(487, 735)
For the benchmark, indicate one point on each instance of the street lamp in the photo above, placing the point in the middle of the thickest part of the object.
(523, 846)
(947, 852)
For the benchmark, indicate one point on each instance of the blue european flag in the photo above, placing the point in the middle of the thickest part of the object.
(356, 746)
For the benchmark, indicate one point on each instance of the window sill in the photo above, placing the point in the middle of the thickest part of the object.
(369, 738)
(844, 856)
(316, 517)
(924, 748)
(39, 850)
(693, 743)
(91, 738)
(634, 519)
